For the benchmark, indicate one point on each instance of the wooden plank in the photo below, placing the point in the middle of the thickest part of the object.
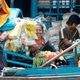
(75, 77)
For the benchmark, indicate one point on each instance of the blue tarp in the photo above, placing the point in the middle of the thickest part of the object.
(10, 23)
(16, 12)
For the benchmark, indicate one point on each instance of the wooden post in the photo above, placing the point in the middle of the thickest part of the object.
(75, 56)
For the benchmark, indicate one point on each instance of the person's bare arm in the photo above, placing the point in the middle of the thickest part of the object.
(66, 42)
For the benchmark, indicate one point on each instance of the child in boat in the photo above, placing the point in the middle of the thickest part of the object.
(69, 33)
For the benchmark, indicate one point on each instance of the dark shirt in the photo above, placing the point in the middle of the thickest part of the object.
(67, 34)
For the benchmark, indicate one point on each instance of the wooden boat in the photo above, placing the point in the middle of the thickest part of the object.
(42, 73)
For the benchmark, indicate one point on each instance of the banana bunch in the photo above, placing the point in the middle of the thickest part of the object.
(30, 29)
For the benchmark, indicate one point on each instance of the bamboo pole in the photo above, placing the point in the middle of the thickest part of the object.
(60, 54)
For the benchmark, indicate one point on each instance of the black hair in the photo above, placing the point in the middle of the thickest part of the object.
(73, 19)
(39, 24)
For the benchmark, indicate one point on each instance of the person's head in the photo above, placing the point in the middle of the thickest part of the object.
(39, 30)
(73, 21)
